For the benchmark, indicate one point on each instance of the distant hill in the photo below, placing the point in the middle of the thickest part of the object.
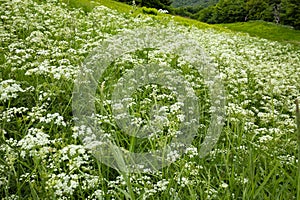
(184, 3)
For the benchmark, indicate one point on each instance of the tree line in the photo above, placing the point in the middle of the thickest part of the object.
(193, 3)
(285, 12)
(158, 4)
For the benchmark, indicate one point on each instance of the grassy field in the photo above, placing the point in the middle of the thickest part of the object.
(266, 30)
(46, 154)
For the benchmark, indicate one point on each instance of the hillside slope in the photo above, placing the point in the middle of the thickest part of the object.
(267, 30)
(185, 3)
(89, 90)
(260, 29)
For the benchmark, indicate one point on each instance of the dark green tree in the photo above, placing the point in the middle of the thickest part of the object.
(206, 15)
(225, 11)
(193, 3)
(290, 14)
(255, 9)
(166, 2)
(158, 4)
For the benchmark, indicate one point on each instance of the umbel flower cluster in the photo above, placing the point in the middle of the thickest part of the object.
(42, 155)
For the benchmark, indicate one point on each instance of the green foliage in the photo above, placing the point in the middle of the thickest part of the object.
(291, 13)
(193, 3)
(255, 9)
(158, 4)
(191, 8)
(188, 11)
(166, 2)
(150, 4)
(206, 15)
(150, 11)
(229, 11)
(286, 12)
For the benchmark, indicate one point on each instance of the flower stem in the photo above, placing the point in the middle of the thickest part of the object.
(298, 140)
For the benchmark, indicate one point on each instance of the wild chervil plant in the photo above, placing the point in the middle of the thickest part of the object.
(42, 156)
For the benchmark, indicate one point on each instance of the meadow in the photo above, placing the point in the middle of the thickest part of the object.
(43, 47)
(267, 30)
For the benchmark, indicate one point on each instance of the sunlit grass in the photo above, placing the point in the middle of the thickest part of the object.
(260, 29)
(266, 30)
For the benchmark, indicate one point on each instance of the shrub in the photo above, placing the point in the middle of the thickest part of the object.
(150, 11)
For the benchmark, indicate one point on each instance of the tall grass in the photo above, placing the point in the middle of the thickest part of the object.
(43, 45)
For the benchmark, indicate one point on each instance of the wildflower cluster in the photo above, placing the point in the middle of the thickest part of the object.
(42, 156)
